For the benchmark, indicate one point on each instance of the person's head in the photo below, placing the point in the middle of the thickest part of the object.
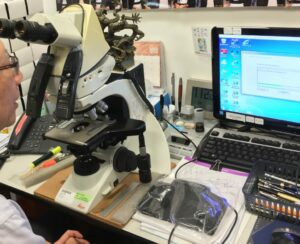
(10, 78)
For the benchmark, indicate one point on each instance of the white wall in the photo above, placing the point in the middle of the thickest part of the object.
(173, 29)
(49, 6)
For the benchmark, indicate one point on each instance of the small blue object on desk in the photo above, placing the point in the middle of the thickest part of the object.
(155, 101)
(263, 230)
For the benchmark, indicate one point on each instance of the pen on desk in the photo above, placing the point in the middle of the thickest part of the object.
(57, 159)
(46, 156)
(274, 189)
(276, 193)
(281, 179)
(280, 185)
(288, 197)
(179, 94)
(268, 195)
(173, 89)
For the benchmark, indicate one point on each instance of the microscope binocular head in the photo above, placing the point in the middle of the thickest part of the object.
(28, 31)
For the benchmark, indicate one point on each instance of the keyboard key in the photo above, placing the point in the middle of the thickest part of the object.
(236, 137)
(291, 146)
(257, 150)
(215, 133)
(266, 142)
(239, 161)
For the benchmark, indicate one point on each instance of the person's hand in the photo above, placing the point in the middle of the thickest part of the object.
(71, 237)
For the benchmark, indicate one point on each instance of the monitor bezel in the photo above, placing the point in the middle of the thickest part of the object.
(269, 124)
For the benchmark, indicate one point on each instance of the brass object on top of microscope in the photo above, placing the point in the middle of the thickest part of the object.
(121, 46)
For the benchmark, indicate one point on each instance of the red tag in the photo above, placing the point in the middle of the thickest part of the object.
(20, 125)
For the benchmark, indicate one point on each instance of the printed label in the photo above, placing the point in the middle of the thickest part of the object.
(66, 196)
(237, 117)
(250, 119)
(83, 197)
(259, 121)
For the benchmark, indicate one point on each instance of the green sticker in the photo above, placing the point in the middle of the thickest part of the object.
(83, 197)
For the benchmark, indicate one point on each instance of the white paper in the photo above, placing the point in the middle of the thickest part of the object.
(151, 69)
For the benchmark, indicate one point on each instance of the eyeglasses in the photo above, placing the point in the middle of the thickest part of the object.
(13, 63)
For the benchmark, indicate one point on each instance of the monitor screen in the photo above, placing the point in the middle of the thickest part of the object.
(256, 76)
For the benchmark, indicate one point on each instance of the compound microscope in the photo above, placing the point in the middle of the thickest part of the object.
(103, 117)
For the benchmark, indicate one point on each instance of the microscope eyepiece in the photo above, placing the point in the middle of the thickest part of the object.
(7, 28)
(32, 31)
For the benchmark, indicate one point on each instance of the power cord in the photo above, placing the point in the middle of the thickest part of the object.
(139, 89)
(226, 238)
(188, 162)
(198, 151)
(171, 233)
(174, 127)
(233, 225)
(216, 164)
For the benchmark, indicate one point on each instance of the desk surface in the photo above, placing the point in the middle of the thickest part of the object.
(17, 164)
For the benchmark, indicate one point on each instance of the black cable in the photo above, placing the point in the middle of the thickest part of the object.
(174, 127)
(22, 97)
(171, 233)
(233, 225)
(190, 161)
(139, 90)
(197, 153)
(226, 238)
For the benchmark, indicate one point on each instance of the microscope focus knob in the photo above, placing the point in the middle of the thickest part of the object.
(124, 160)
(86, 165)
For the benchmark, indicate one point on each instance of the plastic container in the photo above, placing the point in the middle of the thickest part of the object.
(265, 206)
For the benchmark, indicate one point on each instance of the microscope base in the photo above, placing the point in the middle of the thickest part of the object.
(82, 193)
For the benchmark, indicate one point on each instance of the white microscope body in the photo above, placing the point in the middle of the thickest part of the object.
(78, 83)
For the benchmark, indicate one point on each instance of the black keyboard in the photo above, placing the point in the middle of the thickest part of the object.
(242, 150)
(34, 142)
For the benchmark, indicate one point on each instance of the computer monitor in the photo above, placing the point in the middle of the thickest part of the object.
(256, 76)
